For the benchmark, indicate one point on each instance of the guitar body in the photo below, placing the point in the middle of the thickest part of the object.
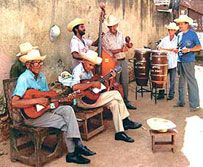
(31, 111)
(89, 96)
(108, 62)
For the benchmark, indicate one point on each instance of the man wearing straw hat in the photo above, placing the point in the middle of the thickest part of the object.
(78, 42)
(169, 44)
(110, 99)
(188, 45)
(62, 118)
(18, 67)
(114, 42)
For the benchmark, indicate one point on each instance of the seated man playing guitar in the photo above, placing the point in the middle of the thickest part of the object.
(111, 99)
(61, 117)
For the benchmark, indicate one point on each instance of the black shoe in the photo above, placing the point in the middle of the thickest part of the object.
(170, 98)
(132, 125)
(124, 137)
(159, 97)
(75, 158)
(179, 105)
(84, 151)
(131, 107)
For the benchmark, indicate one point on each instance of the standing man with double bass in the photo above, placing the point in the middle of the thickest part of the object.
(115, 43)
(79, 43)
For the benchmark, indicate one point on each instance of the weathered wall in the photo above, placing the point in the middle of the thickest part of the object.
(30, 20)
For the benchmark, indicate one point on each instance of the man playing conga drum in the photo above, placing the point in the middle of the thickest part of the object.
(169, 44)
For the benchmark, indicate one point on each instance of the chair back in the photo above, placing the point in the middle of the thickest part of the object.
(14, 114)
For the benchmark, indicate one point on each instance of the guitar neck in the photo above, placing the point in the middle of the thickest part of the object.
(103, 79)
(68, 98)
(100, 40)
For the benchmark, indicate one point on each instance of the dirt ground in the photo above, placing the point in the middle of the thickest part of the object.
(111, 153)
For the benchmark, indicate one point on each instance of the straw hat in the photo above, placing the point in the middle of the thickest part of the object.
(111, 21)
(91, 56)
(25, 48)
(160, 124)
(54, 32)
(75, 22)
(184, 18)
(172, 26)
(32, 55)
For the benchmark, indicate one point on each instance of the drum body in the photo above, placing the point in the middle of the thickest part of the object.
(142, 66)
(159, 68)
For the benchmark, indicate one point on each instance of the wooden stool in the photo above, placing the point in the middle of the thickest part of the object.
(168, 144)
(91, 121)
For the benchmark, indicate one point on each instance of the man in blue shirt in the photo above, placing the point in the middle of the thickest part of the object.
(62, 117)
(187, 46)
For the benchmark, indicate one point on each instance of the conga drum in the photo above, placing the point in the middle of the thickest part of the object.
(159, 68)
(142, 66)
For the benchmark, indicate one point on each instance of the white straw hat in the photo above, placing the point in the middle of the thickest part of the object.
(75, 22)
(32, 55)
(91, 56)
(160, 124)
(184, 18)
(172, 26)
(111, 21)
(25, 48)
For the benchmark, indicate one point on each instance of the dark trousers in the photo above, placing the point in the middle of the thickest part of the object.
(172, 77)
(187, 75)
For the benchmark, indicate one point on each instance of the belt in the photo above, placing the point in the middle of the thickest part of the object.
(121, 59)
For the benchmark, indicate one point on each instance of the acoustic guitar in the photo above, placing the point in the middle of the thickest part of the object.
(90, 96)
(38, 110)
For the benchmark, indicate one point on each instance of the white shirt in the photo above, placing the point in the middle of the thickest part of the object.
(77, 45)
(79, 74)
(172, 56)
(112, 41)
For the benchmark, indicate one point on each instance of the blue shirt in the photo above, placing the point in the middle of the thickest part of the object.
(27, 80)
(189, 40)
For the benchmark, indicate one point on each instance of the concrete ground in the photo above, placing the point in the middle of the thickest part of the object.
(111, 153)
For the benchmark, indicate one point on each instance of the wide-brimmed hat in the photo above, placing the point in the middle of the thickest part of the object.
(25, 48)
(184, 18)
(54, 32)
(75, 22)
(172, 26)
(160, 124)
(32, 55)
(111, 21)
(91, 56)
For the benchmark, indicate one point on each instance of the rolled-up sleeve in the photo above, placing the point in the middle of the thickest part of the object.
(74, 46)
(75, 77)
(21, 87)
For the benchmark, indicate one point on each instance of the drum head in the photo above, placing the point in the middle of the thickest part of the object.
(158, 52)
(142, 50)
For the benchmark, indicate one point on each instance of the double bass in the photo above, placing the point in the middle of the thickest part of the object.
(108, 61)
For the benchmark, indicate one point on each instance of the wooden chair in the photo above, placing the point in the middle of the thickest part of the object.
(30, 144)
(90, 121)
